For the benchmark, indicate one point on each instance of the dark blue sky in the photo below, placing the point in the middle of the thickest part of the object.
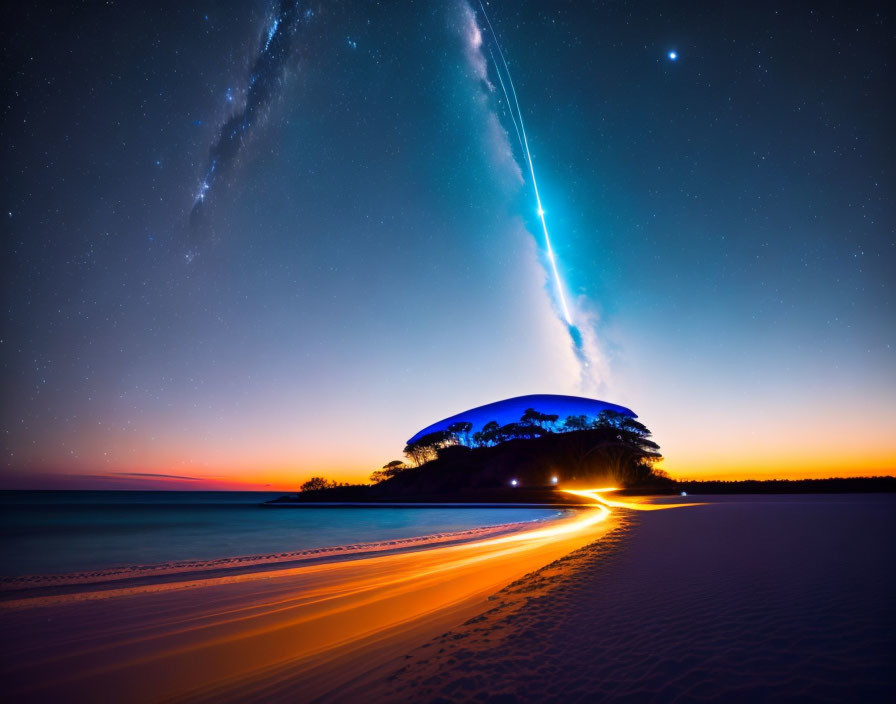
(368, 255)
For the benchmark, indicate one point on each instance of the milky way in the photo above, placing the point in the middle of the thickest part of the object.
(265, 79)
(505, 80)
(370, 256)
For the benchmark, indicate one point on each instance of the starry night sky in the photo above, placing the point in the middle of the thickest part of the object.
(250, 242)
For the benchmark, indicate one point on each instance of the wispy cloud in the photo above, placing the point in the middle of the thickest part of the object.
(590, 359)
(153, 475)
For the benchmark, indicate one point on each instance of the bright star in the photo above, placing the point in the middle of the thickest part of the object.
(672, 56)
(271, 32)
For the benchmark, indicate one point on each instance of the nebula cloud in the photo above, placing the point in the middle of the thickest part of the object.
(265, 79)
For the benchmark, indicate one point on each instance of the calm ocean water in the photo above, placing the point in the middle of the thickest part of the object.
(46, 532)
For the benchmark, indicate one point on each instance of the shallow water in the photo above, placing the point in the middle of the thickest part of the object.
(50, 532)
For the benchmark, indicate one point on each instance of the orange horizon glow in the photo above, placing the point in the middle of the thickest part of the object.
(770, 467)
(806, 440)
(289, 479)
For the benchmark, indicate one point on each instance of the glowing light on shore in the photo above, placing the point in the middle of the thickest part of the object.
(638, 503)
(259, 622)
(405, 567)
(245, 626)
(585, 520)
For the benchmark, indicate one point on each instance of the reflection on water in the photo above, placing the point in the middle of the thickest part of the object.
(52, 532)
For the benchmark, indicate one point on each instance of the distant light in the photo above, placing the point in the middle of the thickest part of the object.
(513, 482)
(540, 212)
(673, 56)
(684, 493)
(554, 480)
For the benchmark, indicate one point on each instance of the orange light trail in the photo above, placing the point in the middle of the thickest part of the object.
(638, 504)
(240, 632)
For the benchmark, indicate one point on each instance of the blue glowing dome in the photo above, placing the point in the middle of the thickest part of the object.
(509, 410)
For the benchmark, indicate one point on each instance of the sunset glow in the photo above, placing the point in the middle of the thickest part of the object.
(379, 352)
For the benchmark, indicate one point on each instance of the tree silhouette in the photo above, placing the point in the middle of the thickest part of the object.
(461, 432)
(611, 445)
(488, 435)
(516, 431)
(388, 471)
(618, 444)
(542, 420)
(575, 423)
(425, 448)
(317, 483)
(610, 419)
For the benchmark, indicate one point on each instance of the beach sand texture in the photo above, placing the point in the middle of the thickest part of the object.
(230, 637)
(739, 599)
(764, 598)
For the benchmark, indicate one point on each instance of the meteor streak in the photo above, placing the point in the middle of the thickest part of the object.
(520, 128)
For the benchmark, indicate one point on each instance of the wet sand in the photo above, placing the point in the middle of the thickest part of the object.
(32, 586)
(765, 598)
(737, 599)
(234, 637)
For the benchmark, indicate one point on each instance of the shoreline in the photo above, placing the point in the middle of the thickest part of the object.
(415, 504)
(735, 598)
(23, 587)
(763, 598)
(184, 639)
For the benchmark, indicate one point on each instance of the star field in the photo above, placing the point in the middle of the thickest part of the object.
(233, 230)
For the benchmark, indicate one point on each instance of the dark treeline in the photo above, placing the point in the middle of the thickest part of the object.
(512, 461)
(523, 460)
(532, 424)
(850, 485)
(538, 450)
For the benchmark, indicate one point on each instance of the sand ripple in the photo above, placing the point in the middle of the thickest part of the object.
(739, 601)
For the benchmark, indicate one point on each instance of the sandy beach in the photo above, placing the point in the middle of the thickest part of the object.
(35, 589)
(739, 598)
(764, 598)
(448, 352)
(232, 635)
